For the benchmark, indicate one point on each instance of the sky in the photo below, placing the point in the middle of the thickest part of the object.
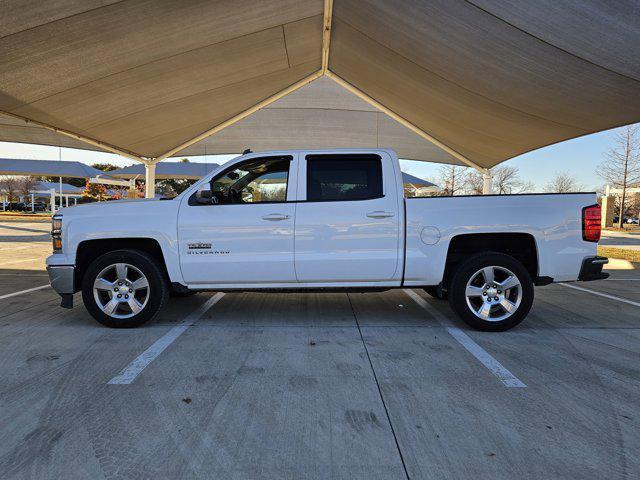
(579, 157)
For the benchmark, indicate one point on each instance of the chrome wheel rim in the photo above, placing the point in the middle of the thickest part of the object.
(121, 290)
(493, 293)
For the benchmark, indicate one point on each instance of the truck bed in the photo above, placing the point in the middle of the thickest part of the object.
(553, 220)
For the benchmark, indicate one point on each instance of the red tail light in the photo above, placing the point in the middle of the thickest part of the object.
(591, 217)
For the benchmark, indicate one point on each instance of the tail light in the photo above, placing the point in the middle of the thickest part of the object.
(591, 217)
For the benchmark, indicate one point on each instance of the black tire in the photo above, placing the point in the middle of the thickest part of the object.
(468, 269)
(158, 291)
(436, 292)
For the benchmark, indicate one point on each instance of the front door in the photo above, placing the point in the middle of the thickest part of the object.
(348, 229)
(238, 229)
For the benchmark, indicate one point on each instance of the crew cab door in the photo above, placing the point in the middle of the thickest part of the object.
(348, 222)
(238, 229)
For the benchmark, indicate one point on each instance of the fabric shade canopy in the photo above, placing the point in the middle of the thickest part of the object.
(66, 188)
(319, 115)
(415, 181)
(48, 168)
(485, 80)
(164, 170)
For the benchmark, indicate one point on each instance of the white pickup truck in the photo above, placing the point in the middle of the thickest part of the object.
(322, 220)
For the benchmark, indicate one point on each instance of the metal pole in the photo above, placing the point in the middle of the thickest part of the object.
(150, 180)
(268, 101)
(487, 188)
(33, 207)
(326, 34)
(359, 93)
(76, 136)
(53, 200)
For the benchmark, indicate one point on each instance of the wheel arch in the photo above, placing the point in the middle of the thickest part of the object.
(89, 250)
(521, 246)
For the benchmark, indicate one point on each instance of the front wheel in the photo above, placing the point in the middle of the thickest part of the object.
(124, 288)
(491, 292)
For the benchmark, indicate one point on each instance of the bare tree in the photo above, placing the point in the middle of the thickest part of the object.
(26, 185)
(452, 179)
(474, 182)
(505, 180)
(621, 169)
(9, 187)
(563, 182)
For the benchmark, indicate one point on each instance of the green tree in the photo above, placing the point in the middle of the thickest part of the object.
(105, 167)
(94, 191)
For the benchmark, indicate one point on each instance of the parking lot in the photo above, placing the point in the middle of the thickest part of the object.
(380, 385)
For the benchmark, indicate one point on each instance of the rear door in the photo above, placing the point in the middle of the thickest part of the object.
(347, 219)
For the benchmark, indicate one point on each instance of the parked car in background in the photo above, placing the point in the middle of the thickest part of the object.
(14, 206)
(323, 220)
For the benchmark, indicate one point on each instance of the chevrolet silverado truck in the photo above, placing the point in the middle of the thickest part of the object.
(324, 221)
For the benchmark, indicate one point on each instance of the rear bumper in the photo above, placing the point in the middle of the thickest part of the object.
(592, 269)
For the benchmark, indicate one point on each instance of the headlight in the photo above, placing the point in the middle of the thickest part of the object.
(56, 233)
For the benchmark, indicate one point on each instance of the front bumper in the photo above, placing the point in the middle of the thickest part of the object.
(592, 269)
(62, 279)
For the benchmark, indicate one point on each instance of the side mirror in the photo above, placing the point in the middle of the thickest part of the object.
(204, 197)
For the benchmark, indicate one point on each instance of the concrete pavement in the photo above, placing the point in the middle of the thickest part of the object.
(317, 386)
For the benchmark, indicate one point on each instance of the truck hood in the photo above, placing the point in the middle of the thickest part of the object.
(108, 206)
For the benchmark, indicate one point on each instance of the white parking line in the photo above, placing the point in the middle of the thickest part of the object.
(131, 371)
(9, 295)
(494, 366)
(600, 294)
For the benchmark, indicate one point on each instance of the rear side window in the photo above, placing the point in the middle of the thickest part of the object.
(343, 177)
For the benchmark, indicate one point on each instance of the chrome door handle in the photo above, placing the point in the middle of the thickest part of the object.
(275, 217)
(380, 214)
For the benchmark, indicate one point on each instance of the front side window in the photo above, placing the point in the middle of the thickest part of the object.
(257, 180)
(343, 177)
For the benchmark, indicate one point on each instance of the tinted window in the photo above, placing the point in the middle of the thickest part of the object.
(346, 177)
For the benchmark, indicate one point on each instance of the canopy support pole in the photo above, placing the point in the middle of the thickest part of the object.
(326, 34)
(401, 120)
(53, 200)
(267, 101)
(75, 136)
(487, 188)
(150, 179)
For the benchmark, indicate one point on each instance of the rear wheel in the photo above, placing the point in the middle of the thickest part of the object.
(491, 292)
(124, 288)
